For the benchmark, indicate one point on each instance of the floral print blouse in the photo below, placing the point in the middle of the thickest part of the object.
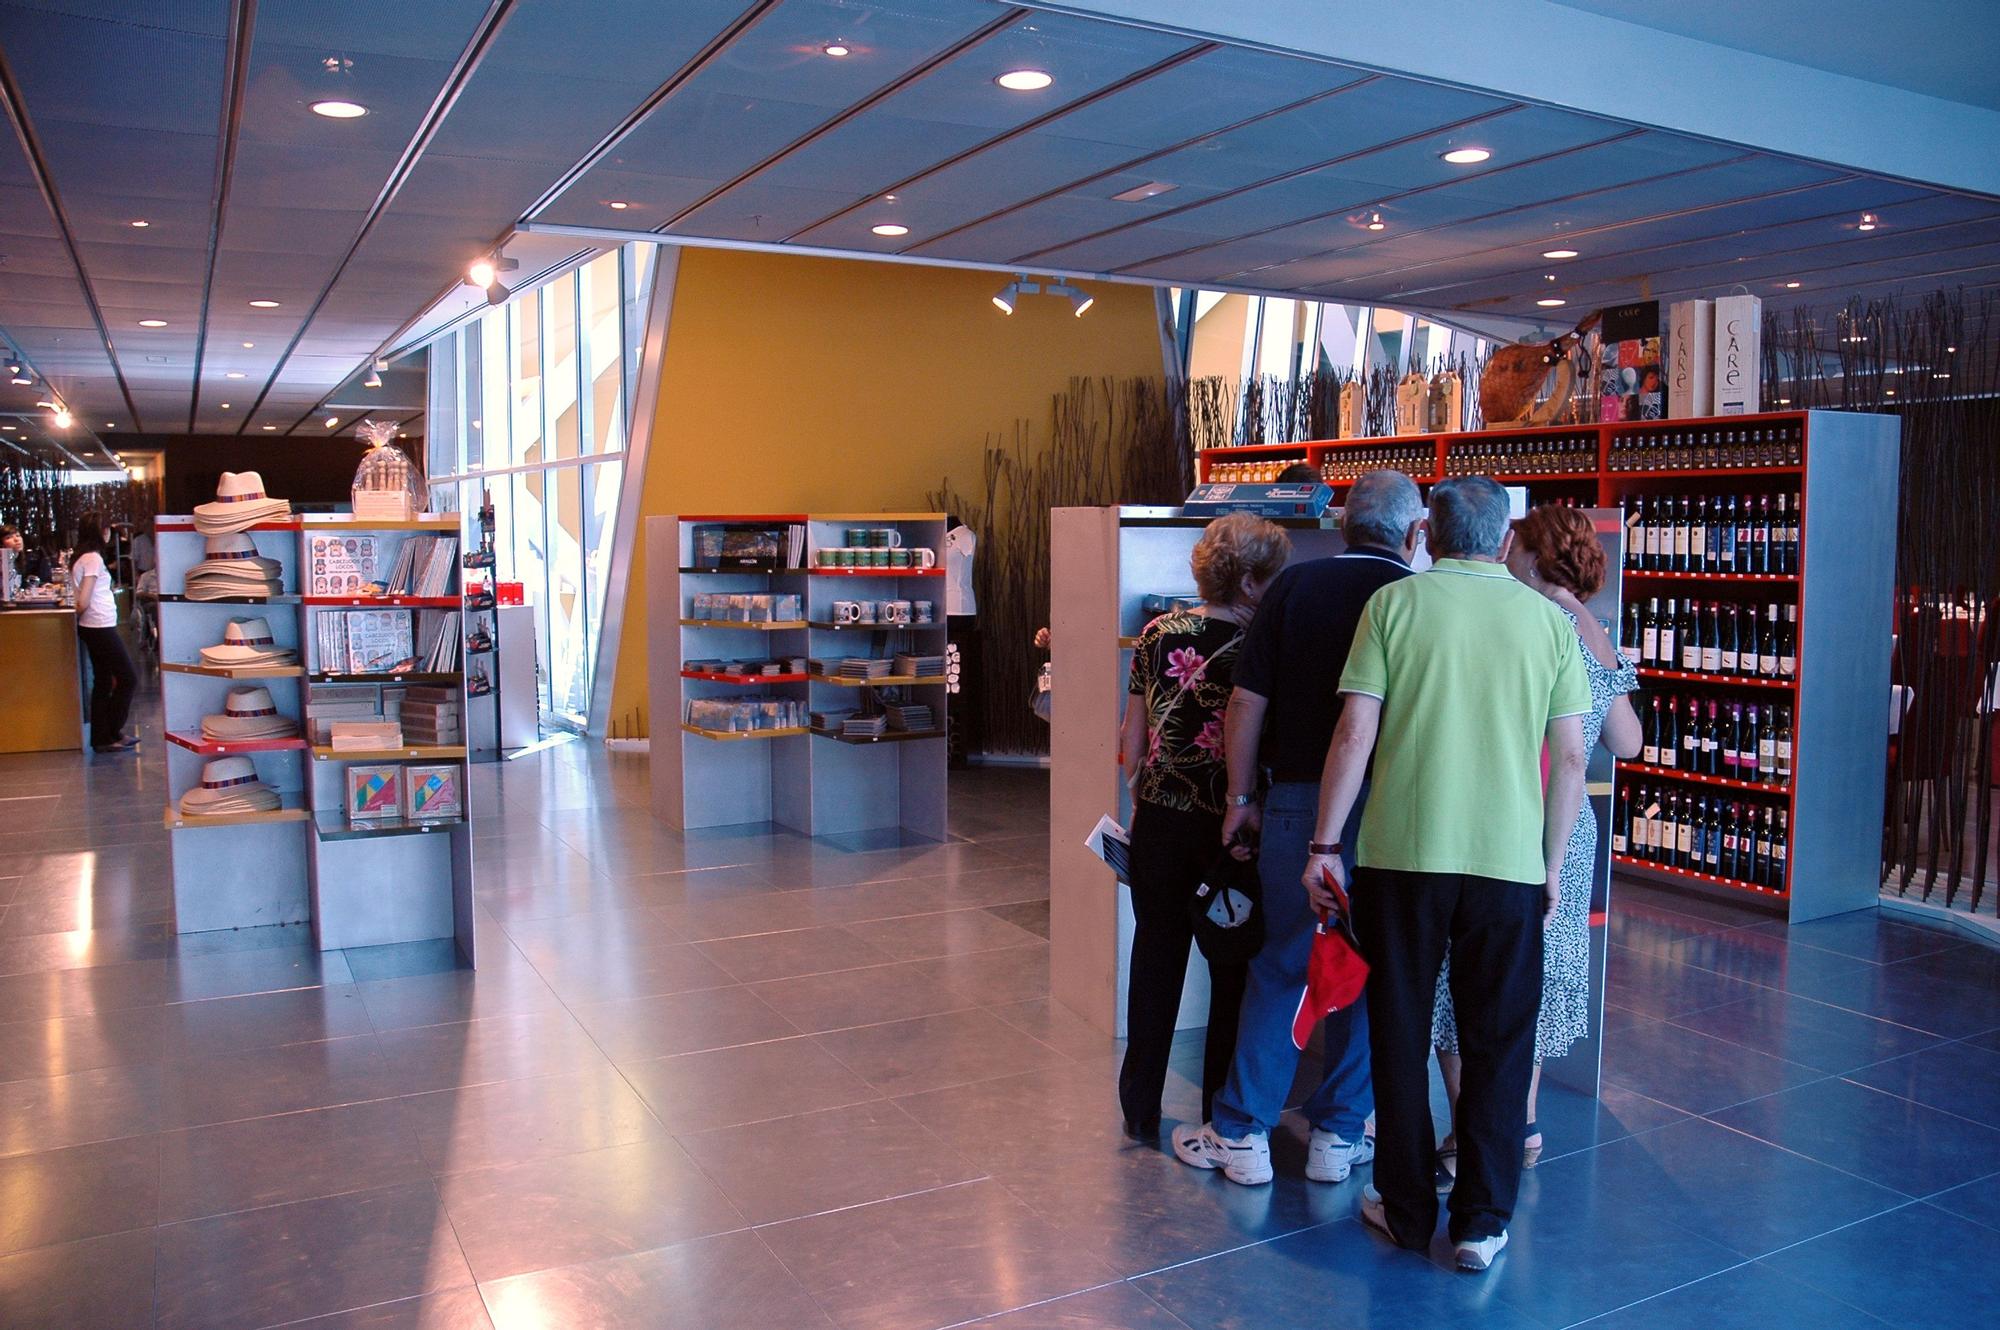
(1182, 673)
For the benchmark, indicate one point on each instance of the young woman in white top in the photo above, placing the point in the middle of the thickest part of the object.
(114, 678)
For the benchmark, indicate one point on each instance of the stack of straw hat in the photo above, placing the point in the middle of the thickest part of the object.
(248, 713)
(239, 504)
(247, 642)
(229, 785)
(233, 567)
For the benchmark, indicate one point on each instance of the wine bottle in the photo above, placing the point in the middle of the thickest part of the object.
(1788, 631)
(1711, 639)
(1645, 831)
(1725, 560)
(1783, 743)
(1682, 525)
(1767, 644)
(1746, 545)
(1711, 744)
(1621, 822)
(1628, 641)
(1670, 733)
(1667, 656)
(1684, 836)
(1711, 836)
(1691, 737)
(1746, 746)
(1635, 535)
(1725, 645)
(1766, 850)
(1649, 746)
(1698, 537)
(1760, 536)
(1650, 535)
(1728, 739)
(1649, 634)
(1767, 748)
(1781, 848)
(1732, 827)
(1690, 638)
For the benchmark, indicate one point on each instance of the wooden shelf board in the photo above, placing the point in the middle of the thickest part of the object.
(714, 676)
(731, 736)
(194, 743)
(408, 752)
(888, 681)
(762, 626)
(887, 736)
(236, 671)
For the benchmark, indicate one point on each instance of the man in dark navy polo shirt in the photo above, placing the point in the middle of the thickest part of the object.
(1281, 718)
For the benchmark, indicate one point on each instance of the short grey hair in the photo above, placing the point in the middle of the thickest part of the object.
(1469, 516)
(1380, 508)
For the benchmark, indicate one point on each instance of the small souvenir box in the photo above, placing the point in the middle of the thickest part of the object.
(434, 791)
(374, 792)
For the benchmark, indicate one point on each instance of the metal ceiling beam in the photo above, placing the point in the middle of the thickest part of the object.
(1174, 61)
(1006, 19)
(38, 166)
(242, 24)
(462, 70)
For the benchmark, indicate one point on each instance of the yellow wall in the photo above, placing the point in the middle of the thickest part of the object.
(830, 385)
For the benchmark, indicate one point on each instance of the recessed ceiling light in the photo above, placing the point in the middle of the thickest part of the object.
(248, 345)
(1466, 156)
(225, 406)
(1950, 350)
(23, 381)
(263, 304)
(270, 427)
(234, 374)
(1888, 392)
(111, 424)
(1152, 189)
(1867, 222)
(331, 421)
(142, 223)
(1941, 374)
(889, 198)
(152, 323)
(1025, 80)
(1375, 222)
(890, 229)
(1551, 302)
(335, 109)
(1791, 286)
(618, 205)
(1558, 253)
(836, 49)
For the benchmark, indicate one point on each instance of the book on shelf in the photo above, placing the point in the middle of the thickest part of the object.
(363, 641)
(424, 566)
(909, 716)
(339, 565)
(910, 666)
(363, 735)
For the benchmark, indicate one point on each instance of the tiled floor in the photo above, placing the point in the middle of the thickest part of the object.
(737, 1080)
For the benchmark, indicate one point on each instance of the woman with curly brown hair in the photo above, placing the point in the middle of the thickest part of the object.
(1183, 670)
(1557, 553)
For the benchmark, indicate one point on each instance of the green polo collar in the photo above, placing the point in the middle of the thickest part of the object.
(1472, 568)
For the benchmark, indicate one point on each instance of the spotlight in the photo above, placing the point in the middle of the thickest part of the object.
(1558, 253)
(480, 273)
(1375, 222)
(270, 427)
(496, 294)
(890, 229)
(248, 345)
(1466, 156)
(225, 406)
(335, 109)
(1009, 295)
(331, 421)
(1791, 286)
(263, 304)
(618, 205)
(62, 417)
(1078, 300)
(1551, 303)
(142, 223)
(233, 374)
(1025, 80)
(1867, 222)
(152, 323)
(836, 49)
(374, 380)
(24, 381)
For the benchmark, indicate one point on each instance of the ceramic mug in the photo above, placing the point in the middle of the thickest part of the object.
(923, 558)
(867, 612)
(920, 611)
(846, 611)
(895, 611)
(899, 558)
(827, 558)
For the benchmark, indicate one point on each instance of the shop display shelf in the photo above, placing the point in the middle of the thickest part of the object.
(167, 524)
(1428, 478)
(291, 811)
(1711, 879)
(1530, 477)
(731, 736)
(325, 753)
(236, 671)
(740, 572)
(231, 600)
(886, 681)
(1719, 680)
(717, 676)
(194, 743)
(386, 602)
(1701, 778)
(755, 626)
(332, 824)
(875, 572)
(874, 627)
(448, 524)
(437, 678)
(1705, 473)
(1661, 575)
(886, 737)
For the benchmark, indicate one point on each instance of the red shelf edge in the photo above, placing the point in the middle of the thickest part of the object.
(709, 677)
(1721, 680)
(1702, 778)
(875, 572)
(383, 602)
(226, 747)
(1767, 893)
(1748, 579)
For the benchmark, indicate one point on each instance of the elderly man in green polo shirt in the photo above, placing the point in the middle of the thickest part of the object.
(1462, 674)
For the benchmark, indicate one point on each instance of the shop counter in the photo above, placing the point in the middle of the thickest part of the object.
(41, 704)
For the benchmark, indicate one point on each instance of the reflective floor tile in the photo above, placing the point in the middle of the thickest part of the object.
(1978, 1201)
(619, 972)
(1749, 1297)
(455, 1309)
(1656, 985)
(287, 1157)
(462, 995)
(929, 1052)
(225, 1088)
(262, 1267)
(792, 952)
(398, 960)
(995, 978)
(942, 933)
(1029, 916)
(1058, 1027)
(79, 1108)
(1918, 1268)
(1895, 1141)
(85, 1191)
(1572, 1121)
(862, 997)
(105, 1281)
(1812, 1034)
(1958, 1078)
(932, 1259)
(731, 1282)
(1335, 1277)
(1869, 935)
(57, 1046)
(727, 1087)
(681, 1023)
(1760, 958)
(507, 1122)
(1118, 1306)
(497, 1048)
(832, 1158)
(584, 1207)
(1041, 1117)
(1694, 1072)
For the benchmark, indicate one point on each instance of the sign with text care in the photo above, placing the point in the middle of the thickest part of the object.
(1739, 359)
(1690, 359)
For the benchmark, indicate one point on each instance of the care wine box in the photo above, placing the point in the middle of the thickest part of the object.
(1739, 355)
(1353, 409)
(1690, 359)
(1413, 404)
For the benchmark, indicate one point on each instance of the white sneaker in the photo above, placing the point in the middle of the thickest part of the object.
(1330, 1159)
(1373, 1213)
(1247, 1161)
(1475, 1254)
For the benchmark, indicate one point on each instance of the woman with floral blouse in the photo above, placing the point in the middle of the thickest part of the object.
(1172, 751)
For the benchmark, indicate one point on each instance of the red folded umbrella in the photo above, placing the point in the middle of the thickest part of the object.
(1336, 973)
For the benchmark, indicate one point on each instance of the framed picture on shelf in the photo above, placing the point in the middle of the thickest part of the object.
(374, 792)
(434, 790)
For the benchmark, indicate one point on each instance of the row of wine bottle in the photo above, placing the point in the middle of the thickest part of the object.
(1739, 840)
(1704, 533)
(1712, 448)
(1412, 459)
(1717, 637)
(1500, 458)
(1733, 738)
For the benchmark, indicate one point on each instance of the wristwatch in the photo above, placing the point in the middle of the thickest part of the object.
(1323, 847)
(1240, 800)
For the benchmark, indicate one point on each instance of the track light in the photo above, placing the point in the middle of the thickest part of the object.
(1007, 296)
(62, 417)
(480, 273)
(374, 379)
(1078, 299)
(1010, 295)
(496, 294)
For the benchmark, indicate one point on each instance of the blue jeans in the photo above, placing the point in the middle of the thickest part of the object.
(1266, 1061)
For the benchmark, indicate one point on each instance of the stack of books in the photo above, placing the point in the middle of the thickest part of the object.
(338, 703)
(856, 668)
(909, 666)
(364, 735)
(363, 641)
(910, 716)
(864, 727)
(437, 641)
(424, 566)
(431, 716)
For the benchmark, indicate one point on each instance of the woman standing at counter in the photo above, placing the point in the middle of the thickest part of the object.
(114, 678)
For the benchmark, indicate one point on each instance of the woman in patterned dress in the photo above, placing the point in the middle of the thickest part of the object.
(1170, 744)
(1557, 553)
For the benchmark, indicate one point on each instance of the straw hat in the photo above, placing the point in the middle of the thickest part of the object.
(248, 713)
(229, 785)
(240, 503)
(248, 642)
(231, 566)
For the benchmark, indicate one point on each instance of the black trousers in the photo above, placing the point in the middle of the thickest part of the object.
(1494, 929)
(1170, 851)
(114, 681)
